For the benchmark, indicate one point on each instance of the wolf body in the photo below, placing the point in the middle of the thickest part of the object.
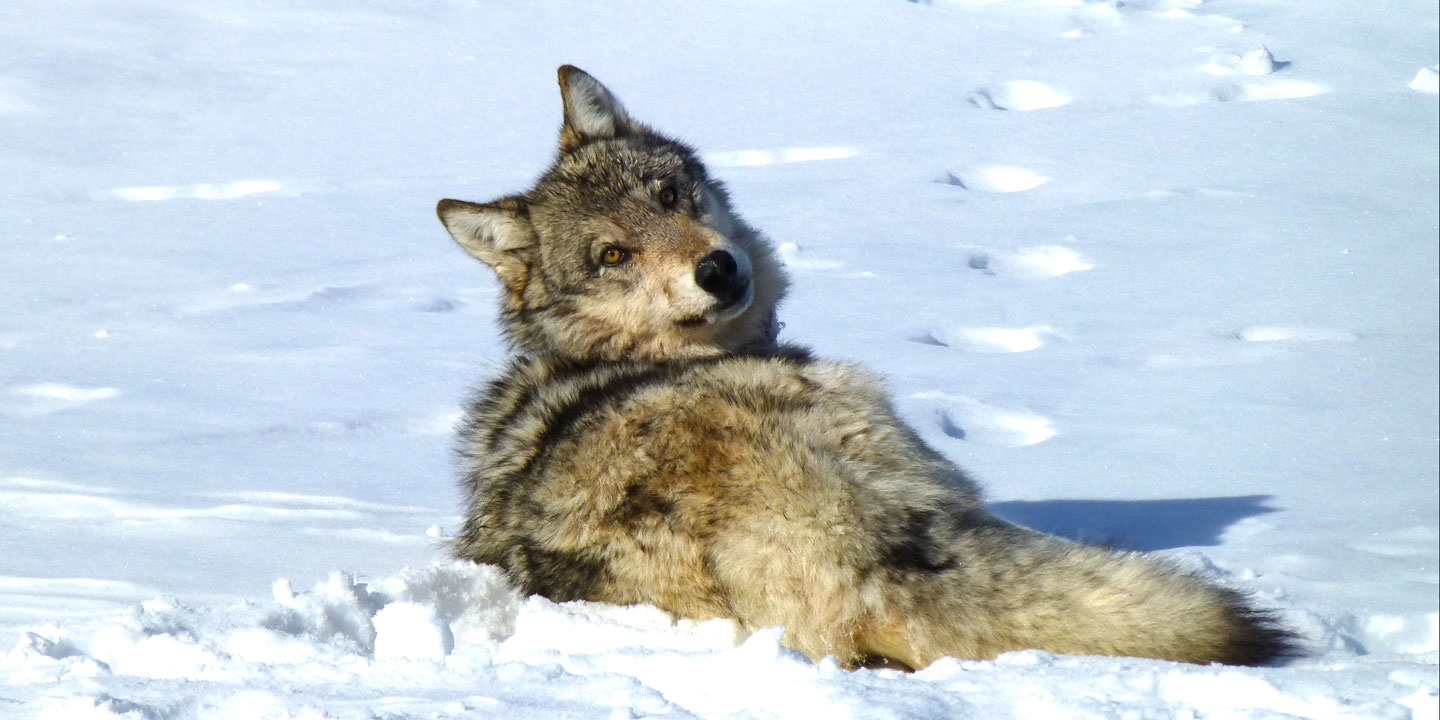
(651, 442)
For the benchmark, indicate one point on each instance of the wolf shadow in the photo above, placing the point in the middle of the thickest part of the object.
(1145, 525)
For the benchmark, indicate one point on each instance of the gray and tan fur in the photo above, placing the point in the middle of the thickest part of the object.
(652, 443)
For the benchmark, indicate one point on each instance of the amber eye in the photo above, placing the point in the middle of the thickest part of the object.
(668, 197)
(613, 256)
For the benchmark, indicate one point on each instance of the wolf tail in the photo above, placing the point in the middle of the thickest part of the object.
(1008, 588)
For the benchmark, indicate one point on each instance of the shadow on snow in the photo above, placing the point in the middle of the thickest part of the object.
(1136, 524)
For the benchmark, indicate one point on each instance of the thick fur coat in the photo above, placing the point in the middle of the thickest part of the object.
(652, 443)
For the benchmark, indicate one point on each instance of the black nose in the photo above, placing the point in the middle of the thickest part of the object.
(717, 275)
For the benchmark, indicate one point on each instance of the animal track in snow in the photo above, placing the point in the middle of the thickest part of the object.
(1159, 6)
(444, 424)
(61, 506)
(754, 158)
(1019, 95)
(1243, 92)
(995, 179)
(790, 254)
(1044, 261)
(1387, 633)
(1182, 99)
(37, 485)
(990, 339)
(1281, 90)
(262, 498)
(1292, 333)
(51, 500)
(67, 393)
(66, 596)
(246, 296)
(1260, 343)
(1413, 541)
(439, 305)
(203, 191)
(1255, 62)
(46, 398)
(969, 419)
(1167, 361)
(240, 296)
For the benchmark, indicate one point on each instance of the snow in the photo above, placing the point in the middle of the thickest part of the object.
(1160, 273)
(1427, 80)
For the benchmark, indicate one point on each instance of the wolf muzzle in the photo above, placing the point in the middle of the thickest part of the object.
(719, 275)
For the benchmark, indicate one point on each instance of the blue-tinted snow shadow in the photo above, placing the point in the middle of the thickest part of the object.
(1136, 524)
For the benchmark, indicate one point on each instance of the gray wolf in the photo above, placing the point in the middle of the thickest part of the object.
(652, 442)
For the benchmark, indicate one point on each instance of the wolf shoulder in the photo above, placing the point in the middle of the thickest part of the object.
(694, 418)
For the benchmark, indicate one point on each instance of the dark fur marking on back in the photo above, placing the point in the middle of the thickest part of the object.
(627, 381)
(591, 399)
(913, 547)
(559, 372)
(640, 503)
(518, 406)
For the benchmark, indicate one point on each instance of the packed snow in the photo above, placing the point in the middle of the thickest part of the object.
(1159, 273)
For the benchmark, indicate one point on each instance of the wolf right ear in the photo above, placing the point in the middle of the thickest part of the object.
(591, 111)
(498, 233)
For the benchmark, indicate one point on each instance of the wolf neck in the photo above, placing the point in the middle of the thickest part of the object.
(548, 362)
(556, 332)
(642, 354)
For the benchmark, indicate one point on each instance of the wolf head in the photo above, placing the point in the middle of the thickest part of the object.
(624, 249)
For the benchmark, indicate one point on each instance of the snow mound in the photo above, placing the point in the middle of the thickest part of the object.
(1427, 80)
(1044, 261)
(1293, 333)
(1021, 95)
(452, 638)
(1255, 62)
(995, 178)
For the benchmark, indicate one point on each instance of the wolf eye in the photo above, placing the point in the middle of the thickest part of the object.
(668, 197)
(613, 256)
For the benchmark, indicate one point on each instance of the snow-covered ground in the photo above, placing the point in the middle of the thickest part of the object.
(1161, 273)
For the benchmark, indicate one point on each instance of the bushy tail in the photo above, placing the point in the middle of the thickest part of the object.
(1015, 589)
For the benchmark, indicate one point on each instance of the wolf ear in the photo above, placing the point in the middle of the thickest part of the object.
(498, 233)
(591, 112)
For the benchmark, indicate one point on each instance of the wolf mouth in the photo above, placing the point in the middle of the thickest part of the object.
(727, 310)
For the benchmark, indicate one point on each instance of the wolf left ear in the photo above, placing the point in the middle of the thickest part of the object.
(497, 233)
(591, 111)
